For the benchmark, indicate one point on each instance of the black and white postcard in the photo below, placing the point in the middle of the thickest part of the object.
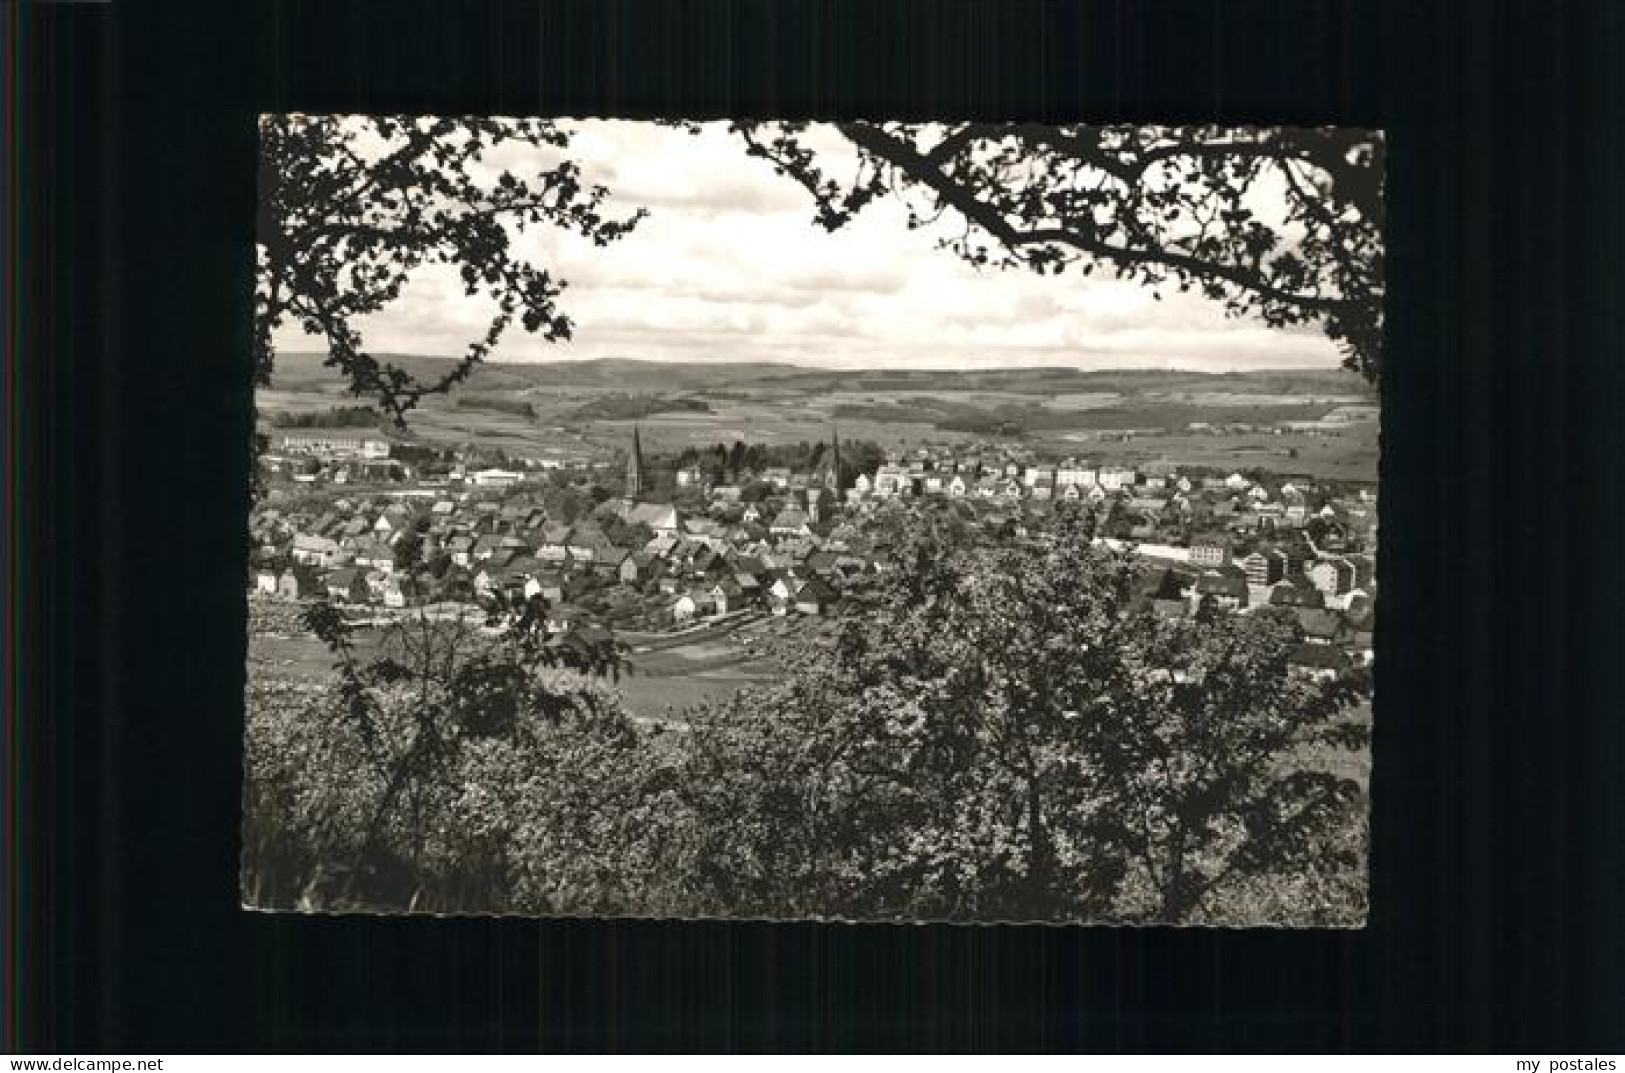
(870, 521)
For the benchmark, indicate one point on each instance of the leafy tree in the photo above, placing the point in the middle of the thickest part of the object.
(565, 503)
(624, 534)
(1008, 736)
(407, 770)
(350, 207)
(409, 549)
(457, 583)
(1181, 206)
(861, 456)
(1207, 785)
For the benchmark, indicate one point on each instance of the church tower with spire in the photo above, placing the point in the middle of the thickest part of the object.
(832, 478)
(634, 467)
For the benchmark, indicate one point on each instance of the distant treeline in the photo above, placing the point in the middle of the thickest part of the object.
(517, 407)
(732, 461)
(881, 412)
(624, 407)
(1016, 419)
(982, 425)
(1050, 381)
(333, 417)
(943, 415)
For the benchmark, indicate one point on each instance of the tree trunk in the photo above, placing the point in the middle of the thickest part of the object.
(1180, 892)
(1038, 849)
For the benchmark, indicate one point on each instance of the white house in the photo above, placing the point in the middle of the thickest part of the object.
(684, 608)
(661, 517)
(1113, 478)
(890, 480)
(314, 550)
(1071, 473)
(497, 478)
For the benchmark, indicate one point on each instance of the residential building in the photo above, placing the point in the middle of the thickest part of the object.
(331, 442)
(297, 583)
(1227, 587)
(1116, 478)
(348, 585)
(790, 522)
(1296, 592)
(1265, 566)
(314, 550)
(1334, 577)
(814, 598)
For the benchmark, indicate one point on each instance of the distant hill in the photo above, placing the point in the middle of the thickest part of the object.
(296, 370)
(1047, 380)
(305, 370)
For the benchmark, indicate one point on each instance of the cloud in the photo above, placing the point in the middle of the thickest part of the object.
(729, 267)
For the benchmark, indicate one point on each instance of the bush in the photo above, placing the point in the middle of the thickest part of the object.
(1007, 735)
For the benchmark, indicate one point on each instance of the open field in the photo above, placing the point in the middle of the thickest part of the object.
(709, 668)
(673, 678)
(648, 697)
(1349, 455)
(298, 657)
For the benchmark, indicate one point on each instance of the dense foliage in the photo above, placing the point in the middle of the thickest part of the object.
(1008, 734)
(737, 461)
(619, 406)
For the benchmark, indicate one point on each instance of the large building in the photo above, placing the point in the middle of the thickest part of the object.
(332, 442)
(1264, 567)
(496, 478)
(1114, 478)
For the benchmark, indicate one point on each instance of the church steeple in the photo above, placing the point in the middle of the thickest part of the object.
(634, 467)
(833, 478)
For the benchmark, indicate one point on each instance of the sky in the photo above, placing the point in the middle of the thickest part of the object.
(729, 267)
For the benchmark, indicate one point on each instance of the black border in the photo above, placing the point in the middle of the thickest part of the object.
(1499, 789)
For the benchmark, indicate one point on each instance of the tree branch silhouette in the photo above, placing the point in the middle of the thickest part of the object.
(1280, 224)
